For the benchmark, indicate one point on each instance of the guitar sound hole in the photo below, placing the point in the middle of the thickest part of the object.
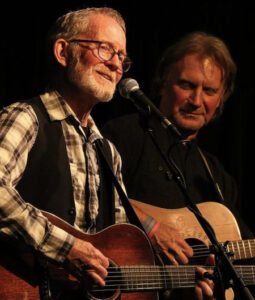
(200, 250)
(112, 288)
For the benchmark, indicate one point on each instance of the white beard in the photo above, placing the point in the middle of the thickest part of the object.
(86, 81)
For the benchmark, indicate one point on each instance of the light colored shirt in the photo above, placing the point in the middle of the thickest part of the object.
(18, 132)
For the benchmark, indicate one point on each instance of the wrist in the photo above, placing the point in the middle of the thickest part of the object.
(150, 226)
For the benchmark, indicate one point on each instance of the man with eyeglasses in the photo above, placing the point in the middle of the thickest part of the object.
(48, 156)
(49, 159)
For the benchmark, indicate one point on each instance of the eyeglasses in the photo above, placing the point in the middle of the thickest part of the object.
(106, 52)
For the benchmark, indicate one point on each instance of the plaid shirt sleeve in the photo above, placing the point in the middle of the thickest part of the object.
(18, 131)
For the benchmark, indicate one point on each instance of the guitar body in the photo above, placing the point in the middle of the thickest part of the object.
(124, 244)
(218, 215)
(18, 279)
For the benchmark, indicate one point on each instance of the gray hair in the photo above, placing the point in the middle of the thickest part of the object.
(71, 24)
(74, 22)
(205, 45)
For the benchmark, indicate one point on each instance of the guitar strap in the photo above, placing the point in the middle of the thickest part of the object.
(132, 217)
(216, 185)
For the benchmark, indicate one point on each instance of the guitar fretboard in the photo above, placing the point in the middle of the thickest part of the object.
(150, 278)
(242, 249)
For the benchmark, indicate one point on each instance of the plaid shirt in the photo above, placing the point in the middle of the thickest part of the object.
(18, 131)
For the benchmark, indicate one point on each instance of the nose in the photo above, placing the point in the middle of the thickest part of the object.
(114, 63)
(196, 97)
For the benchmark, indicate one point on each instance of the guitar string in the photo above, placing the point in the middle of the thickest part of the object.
(155, 285)
(171, 269)
(168, 270)
(182, 281)
(237, 245)
(202, 250)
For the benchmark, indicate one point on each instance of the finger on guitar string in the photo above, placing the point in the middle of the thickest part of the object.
(94, 263)
(201, 295)
(205, 287)
(168, 241)
(175, 258)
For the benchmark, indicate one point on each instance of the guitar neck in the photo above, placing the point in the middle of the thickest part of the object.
(151, 278)
(242, 249)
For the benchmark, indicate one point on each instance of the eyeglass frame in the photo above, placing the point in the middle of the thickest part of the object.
(125, 60)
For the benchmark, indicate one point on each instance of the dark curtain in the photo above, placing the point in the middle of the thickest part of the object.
(151, 27)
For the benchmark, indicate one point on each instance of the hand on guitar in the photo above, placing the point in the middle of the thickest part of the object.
(95, 262)
(204, 288)
(167, 240)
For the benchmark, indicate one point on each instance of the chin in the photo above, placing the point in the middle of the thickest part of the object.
(105, 100)
(105, 96)
(102, 94)
(189, 125)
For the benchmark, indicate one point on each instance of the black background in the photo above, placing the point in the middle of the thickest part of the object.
(151, 27)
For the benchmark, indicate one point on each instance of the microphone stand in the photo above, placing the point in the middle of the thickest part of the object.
(223, 264)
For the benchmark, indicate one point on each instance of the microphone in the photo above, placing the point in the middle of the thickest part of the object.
(129, 89)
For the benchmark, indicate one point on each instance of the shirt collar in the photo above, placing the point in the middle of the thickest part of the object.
(59, 110)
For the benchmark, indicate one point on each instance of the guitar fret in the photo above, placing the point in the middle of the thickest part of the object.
(176, 277)
(243, 248)
(235, 249)
(238, 249)
(141, 277)
(249, 246)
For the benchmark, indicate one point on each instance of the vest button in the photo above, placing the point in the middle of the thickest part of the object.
(71, 211)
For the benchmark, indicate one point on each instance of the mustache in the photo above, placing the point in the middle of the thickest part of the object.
(108, 73)
(190, 108)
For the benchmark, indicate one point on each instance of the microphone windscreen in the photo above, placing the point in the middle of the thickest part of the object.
(126, 86)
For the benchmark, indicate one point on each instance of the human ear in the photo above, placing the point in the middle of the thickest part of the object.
(60, 51)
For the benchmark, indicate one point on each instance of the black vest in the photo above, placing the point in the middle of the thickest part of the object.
(47, 182)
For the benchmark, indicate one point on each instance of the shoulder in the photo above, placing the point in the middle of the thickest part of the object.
(20, 113)
(213, 161)
(123, 121)
(18, 129)
(124, 127)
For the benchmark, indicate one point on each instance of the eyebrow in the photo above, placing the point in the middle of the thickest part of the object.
(183, 80)
(107, 42)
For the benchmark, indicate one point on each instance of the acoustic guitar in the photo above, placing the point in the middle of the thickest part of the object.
(132, 274)
(218, 215)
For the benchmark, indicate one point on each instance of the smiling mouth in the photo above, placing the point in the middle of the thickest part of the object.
(105, 76)
(192, 113)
